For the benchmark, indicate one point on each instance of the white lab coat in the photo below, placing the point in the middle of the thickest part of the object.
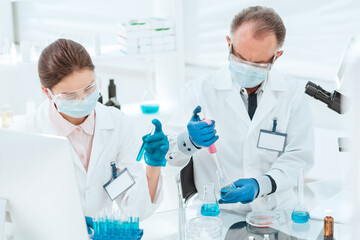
(238, 135)
(114, 140)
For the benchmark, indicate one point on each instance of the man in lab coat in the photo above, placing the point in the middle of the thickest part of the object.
(245, 98)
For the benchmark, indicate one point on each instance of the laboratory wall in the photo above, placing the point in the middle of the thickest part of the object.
(317, 33)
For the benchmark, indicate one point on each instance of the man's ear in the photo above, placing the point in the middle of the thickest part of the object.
(228, 39)
(278, 54)
(44, 89)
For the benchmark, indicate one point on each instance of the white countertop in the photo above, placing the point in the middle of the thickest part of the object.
(164, 225)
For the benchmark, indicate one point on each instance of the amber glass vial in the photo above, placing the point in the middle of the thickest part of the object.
(328, 225)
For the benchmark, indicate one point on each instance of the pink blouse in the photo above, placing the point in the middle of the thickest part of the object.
(80, 136)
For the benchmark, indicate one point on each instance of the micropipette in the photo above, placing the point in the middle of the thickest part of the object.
(212, 150)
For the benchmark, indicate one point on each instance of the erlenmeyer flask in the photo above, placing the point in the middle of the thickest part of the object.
(225, 184)
(149, 103)
(210, 206)
(300, 213)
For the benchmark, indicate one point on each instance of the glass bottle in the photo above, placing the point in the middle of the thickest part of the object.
(328, 225)
(112, 95)
(6, 115)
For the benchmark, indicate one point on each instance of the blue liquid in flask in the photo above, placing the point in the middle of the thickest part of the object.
(300, 216)
(210, 209)
(149, 108)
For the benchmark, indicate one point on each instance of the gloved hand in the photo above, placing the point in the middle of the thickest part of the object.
(201, 134)
(89, 224)
(156, 146)
(247, 190)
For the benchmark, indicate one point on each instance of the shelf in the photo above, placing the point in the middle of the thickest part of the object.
(111, 59)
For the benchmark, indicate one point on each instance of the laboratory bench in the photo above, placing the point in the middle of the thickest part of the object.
(165, 226)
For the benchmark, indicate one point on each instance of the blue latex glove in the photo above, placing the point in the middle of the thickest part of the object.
(201, 134)
(89, 224)
(156, 146)
(247, 190)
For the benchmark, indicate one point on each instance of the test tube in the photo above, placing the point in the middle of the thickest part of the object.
(142, 148)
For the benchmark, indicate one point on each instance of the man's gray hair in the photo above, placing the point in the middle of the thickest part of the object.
(266, 21)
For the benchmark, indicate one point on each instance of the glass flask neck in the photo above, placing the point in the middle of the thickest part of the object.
(301, 186)
(209, 194)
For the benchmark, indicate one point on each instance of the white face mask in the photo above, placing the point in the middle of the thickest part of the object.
(79, 103)
(78, 108)
(248, 74)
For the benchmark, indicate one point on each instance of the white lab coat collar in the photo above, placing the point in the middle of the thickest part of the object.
(103, 118)
(276, 80)
(274, 83)
(103, 121)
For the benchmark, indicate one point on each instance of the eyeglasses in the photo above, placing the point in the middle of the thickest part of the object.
(75, 95)
(234, 58)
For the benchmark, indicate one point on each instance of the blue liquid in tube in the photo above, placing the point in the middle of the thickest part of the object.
(225, 190)
(300, 216)
(210, 209)
(149, 108)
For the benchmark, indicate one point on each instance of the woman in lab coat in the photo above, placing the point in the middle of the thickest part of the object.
(98, 134)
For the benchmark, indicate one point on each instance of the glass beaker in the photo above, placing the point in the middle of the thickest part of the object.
(300, 214)
(225, 184)
(210, 206)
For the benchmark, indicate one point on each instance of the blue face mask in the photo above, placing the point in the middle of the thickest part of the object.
(247, 76)
(78, 108)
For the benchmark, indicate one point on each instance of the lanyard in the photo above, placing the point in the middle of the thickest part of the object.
(274, 124)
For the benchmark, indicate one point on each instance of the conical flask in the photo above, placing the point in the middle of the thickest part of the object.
(300, 214)
(210, 206)
(149, 103)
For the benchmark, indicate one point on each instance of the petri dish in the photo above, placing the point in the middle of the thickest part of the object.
(204, 228)
(262, 218)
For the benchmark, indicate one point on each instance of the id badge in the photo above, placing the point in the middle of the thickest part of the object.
(273, 141)
(123, 182)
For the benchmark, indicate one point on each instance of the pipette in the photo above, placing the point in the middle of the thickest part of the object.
(212, 149)
(225, 184)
